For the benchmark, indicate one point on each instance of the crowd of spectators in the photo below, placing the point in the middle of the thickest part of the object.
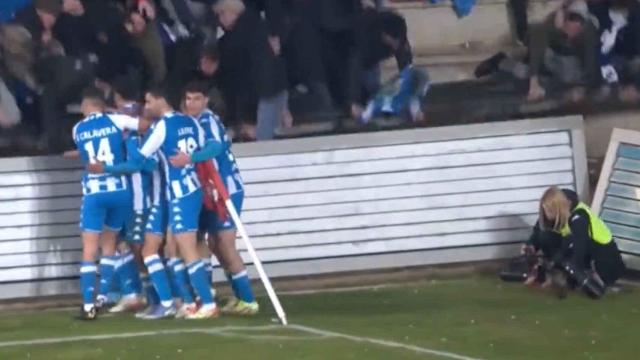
(586, 49)
(255, 56)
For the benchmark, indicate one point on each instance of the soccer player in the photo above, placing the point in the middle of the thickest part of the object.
(171, 133)
(220, 228)
(106, 198)
(130, 264)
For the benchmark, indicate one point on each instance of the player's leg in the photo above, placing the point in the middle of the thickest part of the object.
(226, 248)
(183, 217)
(246, 303)
(117, 206)
(91, 221)
(108, 262)
(179, 279)
(206, 243)
(205, 255)
(128, 271)
(155, 266)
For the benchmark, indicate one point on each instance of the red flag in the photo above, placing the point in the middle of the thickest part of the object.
(215, 193)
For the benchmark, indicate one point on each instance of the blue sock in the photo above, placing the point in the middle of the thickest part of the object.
(149, 291)
(227, 274)
(243, 286)
(127, 274)
(208, 269)
(107, 270)
(199, 282)
(159, 279)
(87, 282)
(181, 280)
(175, 292)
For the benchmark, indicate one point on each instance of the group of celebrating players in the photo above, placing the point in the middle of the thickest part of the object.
(143, 208)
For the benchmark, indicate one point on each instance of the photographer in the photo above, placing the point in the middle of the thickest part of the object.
(576, 241)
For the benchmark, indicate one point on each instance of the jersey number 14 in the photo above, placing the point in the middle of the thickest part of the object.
(104, 153)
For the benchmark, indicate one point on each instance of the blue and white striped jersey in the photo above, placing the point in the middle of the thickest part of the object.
(100, 137)
(225, 163)
(172, 133)
(141, 182)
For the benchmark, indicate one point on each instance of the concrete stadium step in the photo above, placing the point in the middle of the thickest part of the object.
(436, 29)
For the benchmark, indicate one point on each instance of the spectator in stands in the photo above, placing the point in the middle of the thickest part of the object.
(207, 74)
(619, 31)
(126, 96)
(302, 51)
(17, 62)
(252, 74)
(563, 54)
(334, 20)
(59, 78)
(9, 112)
(19, 55)
(95, 28)
(39, 19)
(9, 8)
(379, 35)
(147, 40)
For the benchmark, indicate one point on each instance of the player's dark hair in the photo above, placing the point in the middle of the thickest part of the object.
(127, 88)
(196, 87)
(94, 95)
(159, 92)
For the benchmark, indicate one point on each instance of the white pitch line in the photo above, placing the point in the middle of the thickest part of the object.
(228, 330)
(381, 342)
(60, 340)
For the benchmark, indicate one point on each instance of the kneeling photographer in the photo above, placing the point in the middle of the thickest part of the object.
(571, 247)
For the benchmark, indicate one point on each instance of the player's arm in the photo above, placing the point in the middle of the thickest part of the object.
(138, 160)
(210, 143)
(126, 122)
(71, 154)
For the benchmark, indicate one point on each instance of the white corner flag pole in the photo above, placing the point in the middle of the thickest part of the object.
(222, 191)
(256, 261)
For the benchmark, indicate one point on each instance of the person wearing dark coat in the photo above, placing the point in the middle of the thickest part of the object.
(571, 237)
(252, 75)
(379, 35)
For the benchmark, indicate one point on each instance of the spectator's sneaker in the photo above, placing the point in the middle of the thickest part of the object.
(142, 314)
(186, 310)
(490, 65)
(128, 304)
(231, 304)
(161, 312)
(205, 312)
(245, 309)
(88, 315)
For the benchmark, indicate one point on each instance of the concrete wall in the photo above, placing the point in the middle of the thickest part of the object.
(437, 29)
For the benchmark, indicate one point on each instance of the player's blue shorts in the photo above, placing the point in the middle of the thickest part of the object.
(136, 226)
(157, 219)
(184, 212)
(105, 210)
(209, 221)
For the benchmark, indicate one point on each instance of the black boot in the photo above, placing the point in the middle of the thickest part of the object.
(490, 65)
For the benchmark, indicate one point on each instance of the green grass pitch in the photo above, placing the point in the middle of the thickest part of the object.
(471, 318)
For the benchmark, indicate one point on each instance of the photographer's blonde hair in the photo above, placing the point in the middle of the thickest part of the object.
(554, 207)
